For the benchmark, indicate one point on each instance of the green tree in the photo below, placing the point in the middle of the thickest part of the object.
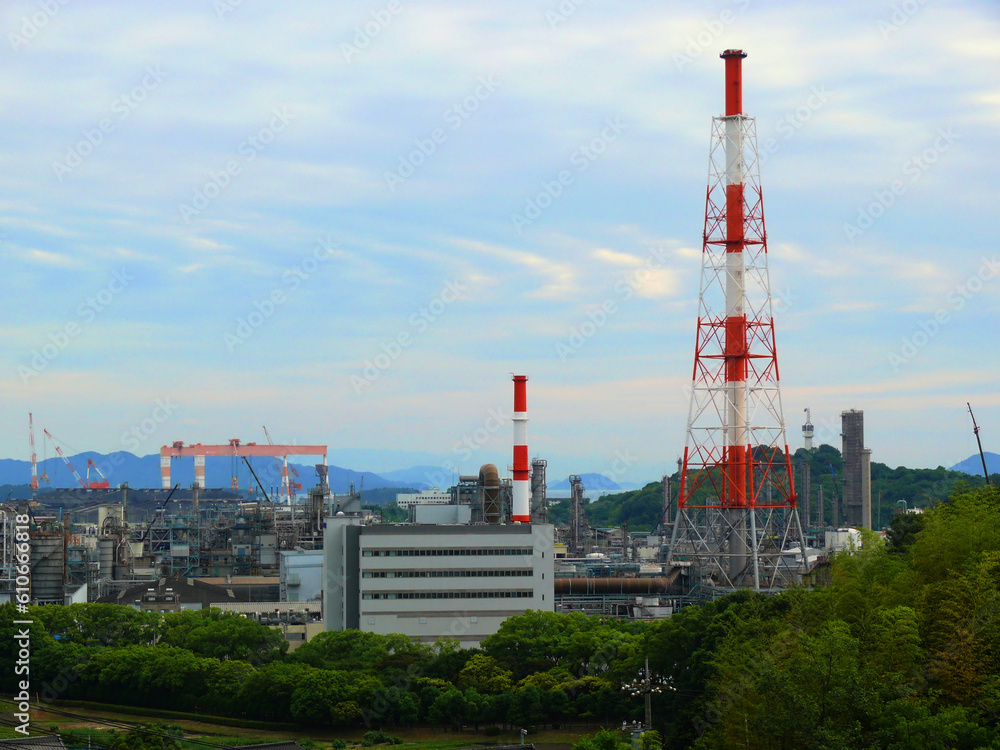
(323, 697)
(448, 709)
(605, 739)
(651, 740)
(485, 674)
(223, 635)
(146, 737)
(528, 706)
(267, 692)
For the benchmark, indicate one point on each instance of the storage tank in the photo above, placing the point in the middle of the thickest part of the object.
(106, 557)
(48, 567)
(489, 482)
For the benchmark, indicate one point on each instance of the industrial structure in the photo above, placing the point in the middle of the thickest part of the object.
(857, 494)
(737, 515)
(431, 581)
(458, 572)
(235, 449)
(522, 509)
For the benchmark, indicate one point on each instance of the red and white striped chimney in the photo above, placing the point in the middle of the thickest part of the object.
(521, 510)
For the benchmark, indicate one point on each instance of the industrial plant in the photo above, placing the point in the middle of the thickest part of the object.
(306, 559)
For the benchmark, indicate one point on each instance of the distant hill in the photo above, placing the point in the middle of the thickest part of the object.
(422, 477)
(144, 472)
(595, 483)
(891, 487)
(974, 465)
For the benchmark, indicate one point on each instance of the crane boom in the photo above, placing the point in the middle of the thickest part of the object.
(65, 460)
(285, 490)
(982, 456)
(103, 484)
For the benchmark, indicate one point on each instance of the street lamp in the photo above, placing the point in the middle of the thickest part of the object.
(644, 685)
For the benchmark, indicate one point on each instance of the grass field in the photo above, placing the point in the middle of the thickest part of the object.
(421, 738)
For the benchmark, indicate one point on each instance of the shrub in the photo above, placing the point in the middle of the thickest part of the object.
(377, 737)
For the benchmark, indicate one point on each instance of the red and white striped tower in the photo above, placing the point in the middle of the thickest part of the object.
(521, 512)
(736, 507)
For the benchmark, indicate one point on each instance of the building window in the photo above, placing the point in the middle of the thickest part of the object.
(487, 573)
(425, 552)
(451, 595)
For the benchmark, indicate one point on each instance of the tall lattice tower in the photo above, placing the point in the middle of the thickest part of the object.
(736, 508)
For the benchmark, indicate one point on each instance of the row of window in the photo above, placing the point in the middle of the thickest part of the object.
(442, 552)
(445, 573)
(453, 595)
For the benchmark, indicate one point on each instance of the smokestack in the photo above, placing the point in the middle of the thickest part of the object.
(521, 511)
(734, 81)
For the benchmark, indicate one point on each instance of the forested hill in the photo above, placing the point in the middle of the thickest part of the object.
(917, 487)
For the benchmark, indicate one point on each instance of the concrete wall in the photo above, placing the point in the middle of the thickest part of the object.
(438, 514)
(300, 576)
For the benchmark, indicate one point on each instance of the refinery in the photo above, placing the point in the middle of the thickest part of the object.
(738, 514)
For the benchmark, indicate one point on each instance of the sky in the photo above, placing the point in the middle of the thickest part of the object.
(352, 222)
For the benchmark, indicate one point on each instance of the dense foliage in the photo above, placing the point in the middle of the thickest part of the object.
(641, 509)
(901, 651)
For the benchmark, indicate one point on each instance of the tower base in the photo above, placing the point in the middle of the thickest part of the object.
(762, 548)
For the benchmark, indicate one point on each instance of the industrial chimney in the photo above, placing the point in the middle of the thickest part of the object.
(521, 511)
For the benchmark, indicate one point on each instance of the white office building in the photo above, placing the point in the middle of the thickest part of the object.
(430, 581)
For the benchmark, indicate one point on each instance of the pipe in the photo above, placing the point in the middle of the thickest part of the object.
(583, 586)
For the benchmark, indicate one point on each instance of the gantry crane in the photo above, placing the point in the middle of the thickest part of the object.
(234, 448)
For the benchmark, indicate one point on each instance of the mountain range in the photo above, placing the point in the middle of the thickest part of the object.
(974, 464)
(144, 472)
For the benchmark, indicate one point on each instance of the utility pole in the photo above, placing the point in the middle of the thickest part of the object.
(649, 702)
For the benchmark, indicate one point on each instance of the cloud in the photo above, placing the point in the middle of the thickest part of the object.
(355, 119)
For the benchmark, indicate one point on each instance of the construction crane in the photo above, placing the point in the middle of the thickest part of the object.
(34, 456)
(156, 511)
(288, 487)
(282, 470)
(65, 460)
(982, 456)
(45, 457)
(87, 485)
(103, 484)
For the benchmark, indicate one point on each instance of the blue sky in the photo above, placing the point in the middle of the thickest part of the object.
(322, 218)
